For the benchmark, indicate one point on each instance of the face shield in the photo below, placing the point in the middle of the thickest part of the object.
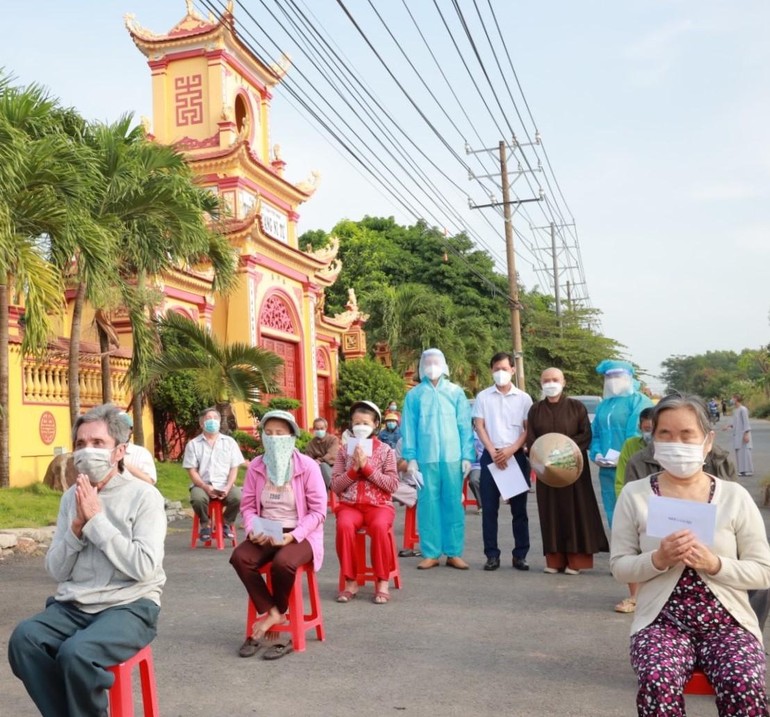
(433, 364)
(617, 383)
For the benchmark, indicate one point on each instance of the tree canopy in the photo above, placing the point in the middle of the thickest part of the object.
(720, 373)
(424, 289)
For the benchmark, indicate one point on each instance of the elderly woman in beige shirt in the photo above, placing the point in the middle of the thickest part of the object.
(692, 608)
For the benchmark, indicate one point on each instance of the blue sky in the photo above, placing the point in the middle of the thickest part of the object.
(654, 114)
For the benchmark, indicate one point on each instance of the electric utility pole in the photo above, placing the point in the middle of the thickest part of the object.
(513, 283)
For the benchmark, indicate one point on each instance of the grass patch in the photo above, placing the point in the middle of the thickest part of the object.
(38, 505)
(32, 507)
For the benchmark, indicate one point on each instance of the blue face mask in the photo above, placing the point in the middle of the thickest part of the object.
(211, 425)
(391, 425)
(320, 433)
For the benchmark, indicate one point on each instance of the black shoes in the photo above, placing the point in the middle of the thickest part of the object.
(492, 564)
(519, 564)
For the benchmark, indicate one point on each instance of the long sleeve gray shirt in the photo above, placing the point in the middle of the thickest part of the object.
(119, 558)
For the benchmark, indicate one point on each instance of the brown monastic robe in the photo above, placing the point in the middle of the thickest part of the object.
(570, 521)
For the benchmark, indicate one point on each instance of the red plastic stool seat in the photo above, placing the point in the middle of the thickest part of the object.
(216, 523)
(698, 684)
(121, 694)
(468, 499)
(411, 537)
(298, 621)
(366, 571)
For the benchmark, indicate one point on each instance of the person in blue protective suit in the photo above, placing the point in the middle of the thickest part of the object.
(617, 419)
(437, 441)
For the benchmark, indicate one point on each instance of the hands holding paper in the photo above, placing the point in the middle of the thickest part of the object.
(684, 547)
(262, 539)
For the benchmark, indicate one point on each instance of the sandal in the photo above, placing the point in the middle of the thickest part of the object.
(250, 647)
(277, 651)
(346, 596)
(381, 598)
(627, 605)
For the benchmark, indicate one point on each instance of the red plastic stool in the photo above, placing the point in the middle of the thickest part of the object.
(468, 499)
(365, 571)
(698, 684)
(121, 694)
(333, 501)
(216, 523)
(299, 622)
(411, 537)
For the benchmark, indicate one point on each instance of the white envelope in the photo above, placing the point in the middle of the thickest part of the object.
(510, 481)
(271, 528)
(365, 443)
(668, 515)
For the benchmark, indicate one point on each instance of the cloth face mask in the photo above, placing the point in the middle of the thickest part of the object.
(94, 462)
(278, 458)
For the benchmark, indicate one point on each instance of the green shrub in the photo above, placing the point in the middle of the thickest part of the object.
(249, 445)
(762, 411)
(366, 380)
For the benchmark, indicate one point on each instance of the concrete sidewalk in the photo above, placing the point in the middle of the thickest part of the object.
(449, 643)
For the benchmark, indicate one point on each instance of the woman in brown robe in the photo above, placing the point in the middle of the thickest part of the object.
(570, 522)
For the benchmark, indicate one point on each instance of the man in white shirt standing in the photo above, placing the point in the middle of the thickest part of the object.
(500, 418)
(212, 460)
(138, 461)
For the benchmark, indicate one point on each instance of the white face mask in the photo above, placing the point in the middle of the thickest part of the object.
(362, 430)
(502, 377)
(433, 371)
(552, 389)
(681, 460)
(96, 463)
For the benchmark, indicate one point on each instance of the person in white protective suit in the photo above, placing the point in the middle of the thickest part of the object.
(437, 441)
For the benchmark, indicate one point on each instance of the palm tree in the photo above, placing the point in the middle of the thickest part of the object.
(222, 372)
(44, 179)
(157, 215)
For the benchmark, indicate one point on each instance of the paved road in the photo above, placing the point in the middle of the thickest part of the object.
(449, 643)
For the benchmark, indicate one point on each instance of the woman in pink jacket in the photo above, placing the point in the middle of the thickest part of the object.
(365, 484)
(286, 486)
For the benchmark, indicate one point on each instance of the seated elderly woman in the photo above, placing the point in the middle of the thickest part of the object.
(365, 484)
(286, 486)
(692, 608)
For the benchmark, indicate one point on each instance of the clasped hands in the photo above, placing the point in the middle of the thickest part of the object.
(684, 547)
(87, 503)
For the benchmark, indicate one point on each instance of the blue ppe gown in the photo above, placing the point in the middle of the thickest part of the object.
(617, 419)
(436, 432)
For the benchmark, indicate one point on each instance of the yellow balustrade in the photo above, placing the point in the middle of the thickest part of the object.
(48, 383)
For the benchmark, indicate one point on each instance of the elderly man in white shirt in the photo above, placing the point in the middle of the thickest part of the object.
(138, 461)
(500, 419)
(212, 460)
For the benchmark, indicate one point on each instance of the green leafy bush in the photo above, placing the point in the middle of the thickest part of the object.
(249, 445)
(366, 380)
(762, 411)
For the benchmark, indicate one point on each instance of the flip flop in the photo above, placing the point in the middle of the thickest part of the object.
(278, 651)
(381, 598)
(407, 553)
(346, 596)
(627, 605)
